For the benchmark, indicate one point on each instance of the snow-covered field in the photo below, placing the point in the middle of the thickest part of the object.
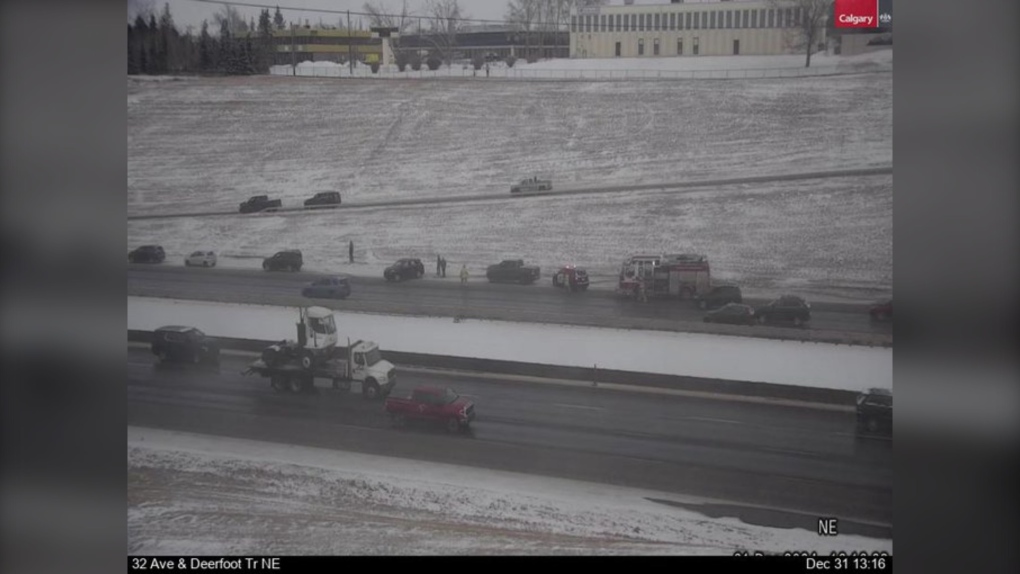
(208, 144)
(199, 495)
(730, 358)
(618, 68)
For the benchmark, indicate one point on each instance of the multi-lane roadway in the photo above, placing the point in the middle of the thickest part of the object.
(528, 303)
(767, 463)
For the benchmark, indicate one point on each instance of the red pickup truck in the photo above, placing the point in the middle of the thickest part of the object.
(433, 404)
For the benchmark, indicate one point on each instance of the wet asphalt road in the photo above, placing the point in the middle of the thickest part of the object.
(802, 463)
(540, 302)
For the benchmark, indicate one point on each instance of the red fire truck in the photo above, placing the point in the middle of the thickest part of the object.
(680, 276)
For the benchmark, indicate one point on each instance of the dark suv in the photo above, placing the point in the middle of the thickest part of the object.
(405, 269)
(720, 295)
(290, 260)
(324, 199)
(786, 309)
(184, 344)
(874, 413)
(147, 254)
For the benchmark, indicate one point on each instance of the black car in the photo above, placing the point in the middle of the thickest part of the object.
(732, 313)
(720, 295)
(328, 288)
(874, 413)
(175, 343)
(324, 199)
(147, 254)
(290, 260)
(405, 269)
(785, 309)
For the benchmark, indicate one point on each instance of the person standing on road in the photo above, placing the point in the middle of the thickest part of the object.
(463, 274)
(439, 265)
(442, 266)
(486, 70)
(350, 251)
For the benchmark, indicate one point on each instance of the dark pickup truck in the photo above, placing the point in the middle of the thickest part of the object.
(512, 271)
(874, 413)
(432, 404)
(324, 199)
(260, 203)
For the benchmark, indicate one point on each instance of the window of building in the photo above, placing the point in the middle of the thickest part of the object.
(695, 50)
(711, 20)
(754, 18)
(573, 23)
(657, 23)
(687, 21)
(788, 17)
(679, 46)
(619, 49)
(736, 47)
(617, 27)
(697, 20)
(602, 23)
(655, 47)
(729, 18)
(641, 47)
(745, 20)
(761, 18)
(672, 21)
(796, 17)
(772, 18)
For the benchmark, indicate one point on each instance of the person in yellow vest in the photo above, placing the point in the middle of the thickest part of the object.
(463, 274)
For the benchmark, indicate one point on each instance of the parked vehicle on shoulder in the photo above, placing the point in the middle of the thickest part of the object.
(733, 314)
(328, 288)
(432, 404)
(200, 259)
(571, 278)
(531, 184)
(874, 413)
(259, 203)
(719, 295)
(147, 254)
(324, 199)
(512, 271)
(403, 269)
(177, 343)
(785, 309)
(289, 260)
(881, 311)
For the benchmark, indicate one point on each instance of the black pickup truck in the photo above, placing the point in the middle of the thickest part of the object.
(874, 413)
(260, 203)
(512, 271)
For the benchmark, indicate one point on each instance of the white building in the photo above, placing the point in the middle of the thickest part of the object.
(695, 29)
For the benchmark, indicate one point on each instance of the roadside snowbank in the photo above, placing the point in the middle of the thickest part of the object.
(195, 494)
(710, 356)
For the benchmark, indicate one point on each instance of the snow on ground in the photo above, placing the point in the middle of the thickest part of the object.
(199, 495)
(618, 68)
(827, 240)
(210, 143)
(711, 356)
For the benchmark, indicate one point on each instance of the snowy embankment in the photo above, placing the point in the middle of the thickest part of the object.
(704, 67)
(198, 495)
(815, 365)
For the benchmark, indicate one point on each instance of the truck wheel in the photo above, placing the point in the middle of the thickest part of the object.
(161, 356)
(265, 267)
(453, 425)
(295, 384)
(307, 359)
(872, 425)
(279, 383)
(371, 390)
(763, 319)
(797, 322)
(398, 419)
(703, 304)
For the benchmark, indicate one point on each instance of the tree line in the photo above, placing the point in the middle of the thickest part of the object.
(156, 46)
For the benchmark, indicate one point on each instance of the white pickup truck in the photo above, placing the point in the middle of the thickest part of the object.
(531, 184)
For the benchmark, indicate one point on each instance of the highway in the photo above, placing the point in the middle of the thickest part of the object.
(767, 464)
(540, 303)
(571, 190)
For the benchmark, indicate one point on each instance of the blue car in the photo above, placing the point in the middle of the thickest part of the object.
(328, 288)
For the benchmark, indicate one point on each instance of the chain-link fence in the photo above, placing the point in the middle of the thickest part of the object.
(506, 73)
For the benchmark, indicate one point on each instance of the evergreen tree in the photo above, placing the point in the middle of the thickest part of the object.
(265, 50)
(205, 48)
(168, 40)
(278, 19)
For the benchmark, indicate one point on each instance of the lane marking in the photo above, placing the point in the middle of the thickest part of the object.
(711, 420)
(578, 407)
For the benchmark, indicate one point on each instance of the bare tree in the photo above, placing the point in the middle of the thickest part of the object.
(805, 22)
(379, 15)
(523, 18)
(444, 23)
